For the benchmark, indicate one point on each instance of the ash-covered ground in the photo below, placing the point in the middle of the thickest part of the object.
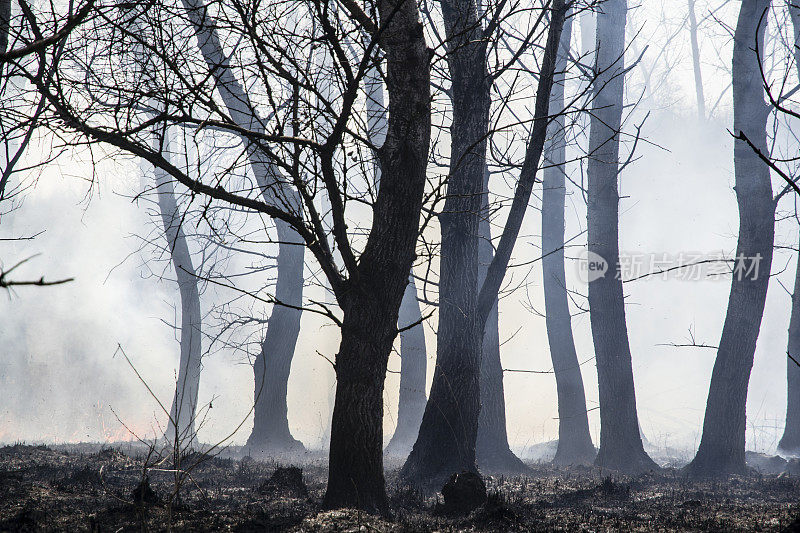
(131, 488)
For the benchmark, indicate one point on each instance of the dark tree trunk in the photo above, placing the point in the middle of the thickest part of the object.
(371, 297)
(413, 354)
(574, 441)
(493, 451)
(272, 365)
(721, 449)
(447, 435)
(355, 477)
(181, 426)
(620, 443)
(413, 369)
(446, 441)
(790, 442)
(5, 24)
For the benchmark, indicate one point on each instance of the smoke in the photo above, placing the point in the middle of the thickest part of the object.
(64, 379)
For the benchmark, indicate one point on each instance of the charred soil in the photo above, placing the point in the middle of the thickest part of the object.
(123, 488)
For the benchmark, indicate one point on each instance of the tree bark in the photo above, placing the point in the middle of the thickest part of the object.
(355, 475)
(413, 370)
(620, 443)
(372, 296)
(447, 435)
(721, 449)
(181, 426)
(790, 441)
(413, 354)
(574, 441)
(493, 452)
(271, 432)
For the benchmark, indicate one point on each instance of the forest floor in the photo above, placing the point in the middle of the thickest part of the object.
(97, 488)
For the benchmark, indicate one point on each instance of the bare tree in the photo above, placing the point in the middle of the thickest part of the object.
(448, 434)
(370, 318)
(181, 429)
(446, 441)
(181, 426)
(620, 441)
(574, 441)
(272, 365)
(204, 91)
(790, 441)
(721, 449)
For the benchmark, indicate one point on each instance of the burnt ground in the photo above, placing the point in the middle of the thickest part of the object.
(94, 488)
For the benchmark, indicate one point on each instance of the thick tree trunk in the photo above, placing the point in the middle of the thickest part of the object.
(790, 442)
(574, 441)
(447, 435)
(620, 444)
(413, 369)
(493, 451)
(271, 432)
(372, 295)
(721, 449)
(413, 354)
(181, 426)
(355, 477)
